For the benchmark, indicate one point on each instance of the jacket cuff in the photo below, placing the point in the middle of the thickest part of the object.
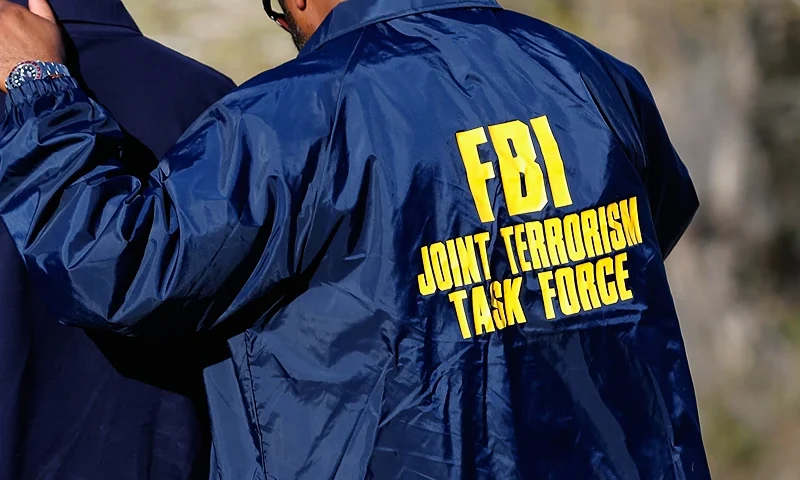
(29, 92)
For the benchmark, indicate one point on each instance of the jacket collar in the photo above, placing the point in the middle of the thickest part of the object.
(351, 15)
(105, 12)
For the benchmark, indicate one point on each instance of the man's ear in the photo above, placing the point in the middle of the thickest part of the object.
(300, 4)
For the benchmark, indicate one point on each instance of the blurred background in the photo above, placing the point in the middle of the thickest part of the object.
(726, 74)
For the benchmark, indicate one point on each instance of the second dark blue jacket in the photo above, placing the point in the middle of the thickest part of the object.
(95, 407)
(437, 240)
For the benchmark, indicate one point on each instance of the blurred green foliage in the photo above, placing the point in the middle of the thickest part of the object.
(734, 443)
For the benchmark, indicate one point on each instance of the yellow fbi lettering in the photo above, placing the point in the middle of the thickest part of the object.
(586, 287)
(456, 263)
(578, 238)
(580, 260)
(463, 262)
(522, 178)
(500, 309)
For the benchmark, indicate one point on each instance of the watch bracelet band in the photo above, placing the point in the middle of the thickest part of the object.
(53, 69)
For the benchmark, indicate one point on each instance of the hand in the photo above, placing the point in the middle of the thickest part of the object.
(27, 35)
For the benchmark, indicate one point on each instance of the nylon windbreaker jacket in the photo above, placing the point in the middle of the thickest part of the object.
(436, 241)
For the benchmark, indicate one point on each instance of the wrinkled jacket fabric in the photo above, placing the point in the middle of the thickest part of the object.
(436, 240)
(102, 407)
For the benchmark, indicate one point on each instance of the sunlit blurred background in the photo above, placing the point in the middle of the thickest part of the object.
(726, 74)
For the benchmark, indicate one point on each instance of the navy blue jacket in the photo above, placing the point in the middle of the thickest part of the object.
(75, 406)
(436, 240)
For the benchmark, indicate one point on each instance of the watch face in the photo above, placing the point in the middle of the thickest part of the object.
(23, 72)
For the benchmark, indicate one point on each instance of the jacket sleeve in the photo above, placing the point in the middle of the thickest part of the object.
(194, 244)
(628, 107)
(670, 191)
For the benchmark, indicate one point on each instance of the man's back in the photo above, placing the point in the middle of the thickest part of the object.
(483, 290)
(75, 407)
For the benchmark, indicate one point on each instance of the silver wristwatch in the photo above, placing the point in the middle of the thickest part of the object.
(35, 70)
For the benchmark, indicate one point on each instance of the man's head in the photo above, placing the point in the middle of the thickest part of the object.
(301, 18)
